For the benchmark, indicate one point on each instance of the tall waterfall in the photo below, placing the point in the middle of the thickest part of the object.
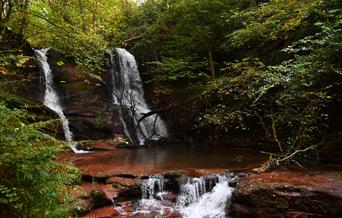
(128, 95)
(51, 99)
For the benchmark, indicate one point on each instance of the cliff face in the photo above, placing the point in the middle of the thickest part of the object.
(87, 104)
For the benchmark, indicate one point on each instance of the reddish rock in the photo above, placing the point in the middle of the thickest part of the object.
(82, 205)
(121, 181)
(103, 212)
(86, 101)
(203, 172)
(101, 145)
(108, 189)
(171, 213)
(126, 208)
(288, 194)
(169, 196)
(129, 193)
(99, 199)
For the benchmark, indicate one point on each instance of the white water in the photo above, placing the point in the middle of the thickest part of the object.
(203, 197)
(152, 186)
(211, 204)
(128, 95)
(51, 99)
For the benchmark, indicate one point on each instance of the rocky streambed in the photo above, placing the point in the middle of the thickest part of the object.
(115, 186)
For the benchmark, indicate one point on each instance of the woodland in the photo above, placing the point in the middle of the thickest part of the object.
(265, 74)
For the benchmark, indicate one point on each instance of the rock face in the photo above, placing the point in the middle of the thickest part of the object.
(288, 194)
(87, 103)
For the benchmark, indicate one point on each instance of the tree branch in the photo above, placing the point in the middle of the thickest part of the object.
(169, 107)
(275, 136)
(294, 153)
(133, 38)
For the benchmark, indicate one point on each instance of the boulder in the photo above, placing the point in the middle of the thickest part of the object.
(99, 198)
(288, 194)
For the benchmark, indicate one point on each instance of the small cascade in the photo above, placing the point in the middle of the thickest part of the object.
(202, 197)
(152, 186)
(201, 203)
(51, 99)
(192, 191)
(152, 189)
(128, 96)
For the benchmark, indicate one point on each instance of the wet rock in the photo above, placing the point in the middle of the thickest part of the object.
(174, 179)
(87, 102)
(168, 196)
(82, 206)
(233, 183)
(129, 193)
(288, 194)
(99, 145)
(108, 189)
(120, 182)
(171, 213)
(99, 199)
(104, 212)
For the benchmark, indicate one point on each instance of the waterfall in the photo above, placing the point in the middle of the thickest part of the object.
(197, 201)
(202, 197)
(152, 186)
(128, 96)
(51, 99)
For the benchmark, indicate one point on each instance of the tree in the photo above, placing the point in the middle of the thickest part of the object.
(6, 7)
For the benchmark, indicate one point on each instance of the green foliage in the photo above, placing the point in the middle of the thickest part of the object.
(32, 182)
(81, 29)
(271, 21)
(172, 69)
(180, 29)
(279, 64)
(289, 100)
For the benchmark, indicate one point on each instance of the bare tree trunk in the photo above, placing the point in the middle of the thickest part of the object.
(211, 61)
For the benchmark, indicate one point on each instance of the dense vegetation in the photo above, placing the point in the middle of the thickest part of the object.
(261, 69)
(265, 70)
(32, 184)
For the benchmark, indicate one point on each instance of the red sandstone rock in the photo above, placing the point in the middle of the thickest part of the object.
(103, 212)
(120, 181)
(108, 189)
(288, 194)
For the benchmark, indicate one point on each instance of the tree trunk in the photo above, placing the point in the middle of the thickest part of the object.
(94, 15)
(23, 13)
(211, 62)
(5, 13)
(81, 5)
